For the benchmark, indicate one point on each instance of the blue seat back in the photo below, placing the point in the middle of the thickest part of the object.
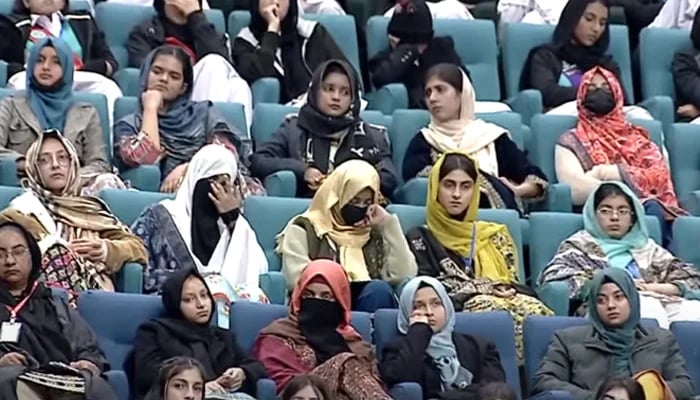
(549, 229)
(519, 39)
(7, 193)
(480, 56)
(684, 155)
(248, 319)
(115, 318)
(656, 50)
(268, 216)
(686, 231)
(127, 205)
(686, 334)
(496, 327)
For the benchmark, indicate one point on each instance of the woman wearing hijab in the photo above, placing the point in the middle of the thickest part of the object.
(580, 358)
(444, 363)
(202, 229)
(686, 76)
(615, 234)
(327, 132)
(346, 223)
(279, 44)
(316, 338)
(83, 244)
(168, 128)
(51, 353)
(229, 373)
(183, 24)
(33, 20)
(476, 261)
(179, 378)
(48, 104)
(508, 178)
(605, 147)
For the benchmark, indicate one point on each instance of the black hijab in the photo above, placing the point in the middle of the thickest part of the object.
(181, 32)
(204, 228)
(41, 337)
(296, 74)
(695, 31)
(583, 57)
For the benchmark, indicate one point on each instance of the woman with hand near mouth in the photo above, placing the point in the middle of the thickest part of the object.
(83, 244)
(477, 261)
(615, 234)
(581, 358)
(327, 132)
(430, 353)
(185, 330)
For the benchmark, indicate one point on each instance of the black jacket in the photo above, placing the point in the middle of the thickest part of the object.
(255, 62)
(287, 149)
(406, 65)
(151, 34)
(14, 33)
(686, 77)
(543, 71)
(405, 360)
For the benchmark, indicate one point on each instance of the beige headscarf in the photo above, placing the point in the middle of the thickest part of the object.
(467, 134)
(344, 183)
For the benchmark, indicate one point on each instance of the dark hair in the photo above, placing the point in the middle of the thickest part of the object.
(460, 162)
(449, 73)
(181, 56)
(301, 381)
(633, 388)
(18, 7)
(167, 371)
(496, 391)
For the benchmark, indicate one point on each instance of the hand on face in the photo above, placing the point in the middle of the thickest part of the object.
(271, 15)
(376, 215)
(417, 316)
(186, 7)
(225, 197)
(152, 100)
(90, 249)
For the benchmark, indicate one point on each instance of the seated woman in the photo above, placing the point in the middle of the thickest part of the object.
(306, 387)
(444, 363)
(479, 275)
(579, 43)
(33, 20)
(580, 358)
(178, 378)
(202, 229)
(83, 245)
(346, 223)
(185, 25)
(508, 178)
(168, 128)
(55, 348)
(279, 44)
(327, 132)
(439, 9)
(686, 76)
(185, 330)
(541, 12)
(48, 104)
(316, 338)
(615, 234)
(620, 387)
(605, 147)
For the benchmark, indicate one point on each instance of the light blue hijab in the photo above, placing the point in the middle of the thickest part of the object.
(441, 348)
(51, 104)
(618, 251)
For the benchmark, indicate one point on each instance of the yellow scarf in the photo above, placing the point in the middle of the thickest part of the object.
(456, 235)
(344, 183)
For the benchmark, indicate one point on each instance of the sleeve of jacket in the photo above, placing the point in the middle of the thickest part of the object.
(402, 359)
(399, 263)
(333, 52)
(101, 54)
(5, 120)
(281, 363)
(253, 368)
(295, 254)
(492, 369)
(417, 160)
(554, 372)
(140, 44)
(543, 78)
(147, 359)
(253, 62)
(388, 174)
(83, 340)
(390, 65)
(686, 78)
(94, 149)
(123, 247)
(674, 371)
(207, 39)
(275, 154)
(11, 46)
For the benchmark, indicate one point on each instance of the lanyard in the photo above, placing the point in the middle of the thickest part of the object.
(16, 309)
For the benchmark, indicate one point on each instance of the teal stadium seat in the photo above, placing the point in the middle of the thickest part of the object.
(684, 154)
(686, 231)
(547, 231)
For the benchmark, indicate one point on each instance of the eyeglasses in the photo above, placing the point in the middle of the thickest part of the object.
(61, 159)
(17, 252)
(620, 212)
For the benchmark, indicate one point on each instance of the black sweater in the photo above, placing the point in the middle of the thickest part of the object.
(686, 77)
(151, 34)
(14, 33)
(405, 360)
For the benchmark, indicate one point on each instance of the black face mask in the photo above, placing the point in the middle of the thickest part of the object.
(599, 101)
(352, 214)
(320, 313)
